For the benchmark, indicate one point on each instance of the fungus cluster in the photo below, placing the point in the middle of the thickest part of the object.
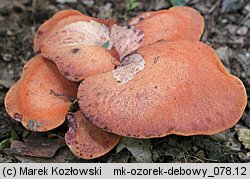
(148, 79)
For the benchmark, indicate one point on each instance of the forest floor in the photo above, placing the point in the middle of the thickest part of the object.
(227, 30)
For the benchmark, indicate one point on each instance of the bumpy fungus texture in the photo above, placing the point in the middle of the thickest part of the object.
(183, 89)
(174, 24)
(39, 100)
(86, 140)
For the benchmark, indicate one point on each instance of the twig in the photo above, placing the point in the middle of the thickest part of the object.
(62, 95)
(192, 156)
(230, 42)
(245, 18)
(214, 6)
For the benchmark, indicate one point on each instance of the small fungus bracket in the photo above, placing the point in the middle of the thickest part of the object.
(86, 140)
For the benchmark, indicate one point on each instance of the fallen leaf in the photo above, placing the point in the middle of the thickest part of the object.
(231, 5)
(141, 149)
(6, 143)
(177, 2)
(244, 136)
(228, 138)
(6, 83)
(224, 53)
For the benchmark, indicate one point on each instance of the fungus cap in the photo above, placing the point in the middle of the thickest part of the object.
(58, 21)
(86, 140)
(39, 100)
(77, 50)
(174, 24)
(79, 62)
(184, 89)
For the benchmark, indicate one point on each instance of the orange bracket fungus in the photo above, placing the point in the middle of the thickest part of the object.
(86, 140)
(177, 23)
(58, 22)
(33, 100)
(148, 79)
(183, 89)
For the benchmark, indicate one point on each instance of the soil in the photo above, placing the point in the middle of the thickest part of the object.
(227, 24)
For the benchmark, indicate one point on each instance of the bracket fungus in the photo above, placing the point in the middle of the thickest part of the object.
(86, 140)
(148, 79)
(176, 23)
(58, 22)
(183, 89)
(33, 100)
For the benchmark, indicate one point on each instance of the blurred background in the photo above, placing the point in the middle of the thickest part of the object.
(227, 24)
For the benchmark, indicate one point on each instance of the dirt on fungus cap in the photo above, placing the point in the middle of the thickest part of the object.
(58, 21)
(184, 89)
(86, 140)
(40, 99)
(176, 23)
